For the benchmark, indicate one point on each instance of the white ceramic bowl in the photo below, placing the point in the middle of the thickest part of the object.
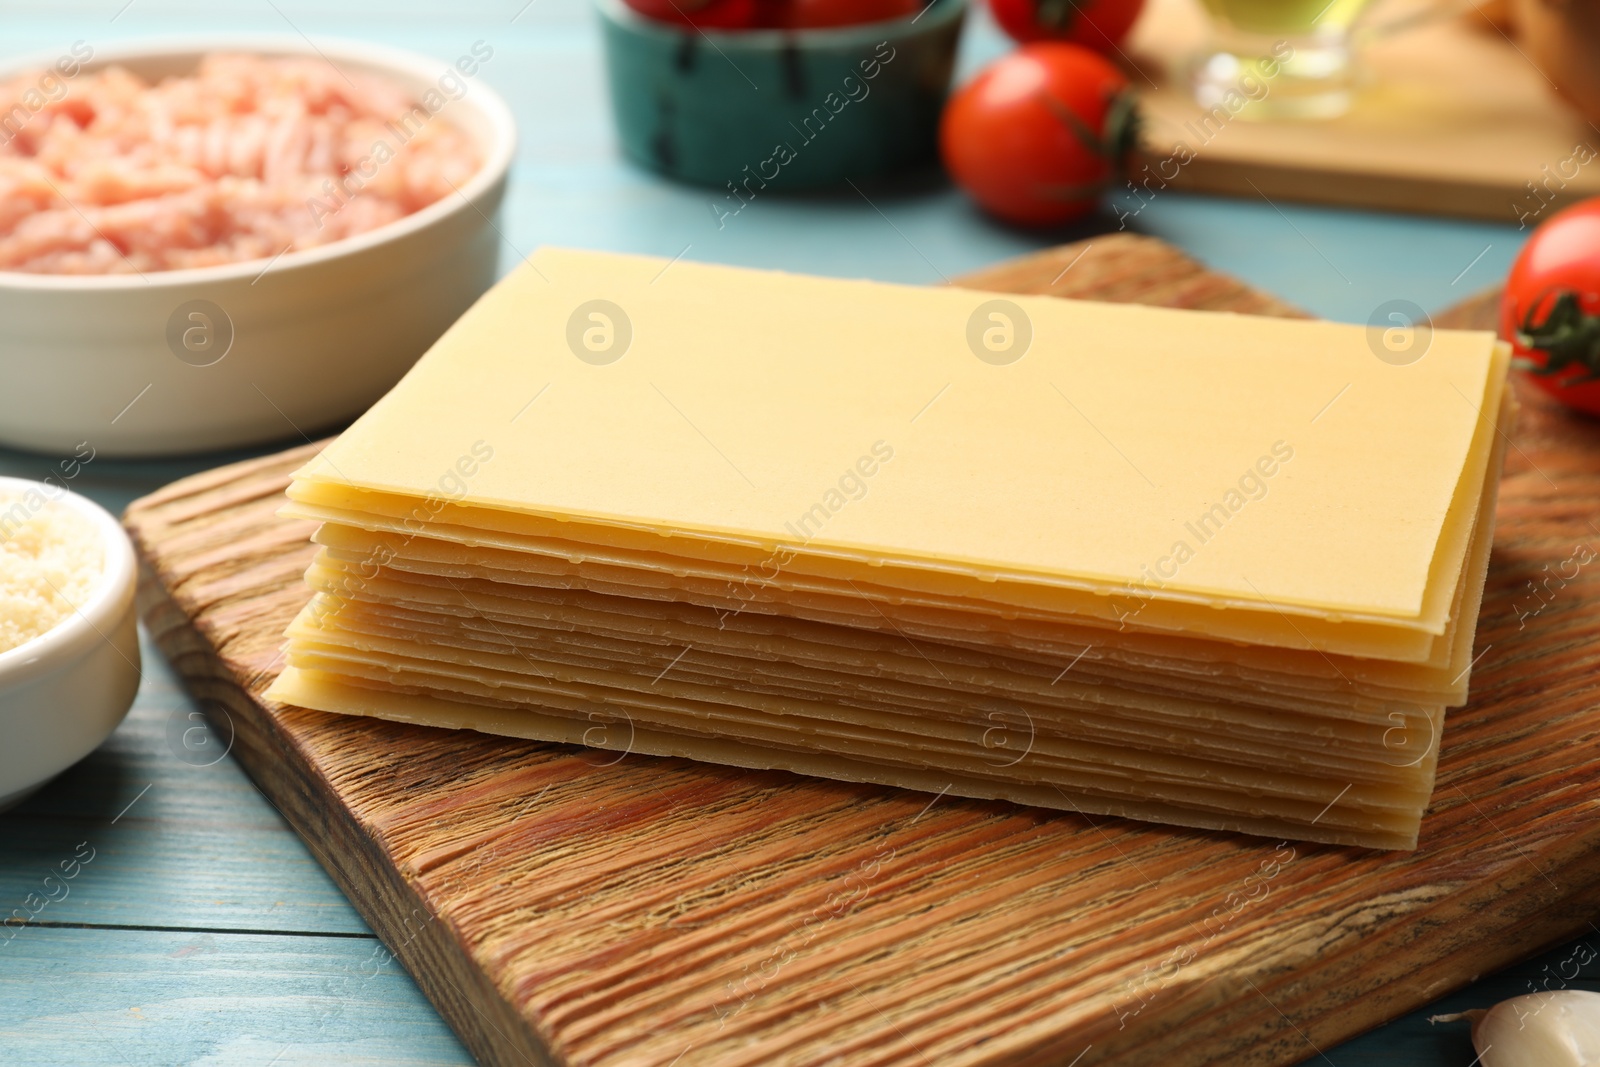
(62, 693)
(317, 338)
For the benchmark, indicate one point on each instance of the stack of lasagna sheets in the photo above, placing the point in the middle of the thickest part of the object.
(1196, 568)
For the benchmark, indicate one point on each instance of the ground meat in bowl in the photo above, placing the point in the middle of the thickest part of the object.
(249, 157)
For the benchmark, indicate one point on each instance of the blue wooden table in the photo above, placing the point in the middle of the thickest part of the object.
(202, 930)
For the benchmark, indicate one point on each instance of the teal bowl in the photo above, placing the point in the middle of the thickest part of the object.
(782, 110)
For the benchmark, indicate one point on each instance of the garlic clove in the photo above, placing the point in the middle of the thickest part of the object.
(1556, 1029)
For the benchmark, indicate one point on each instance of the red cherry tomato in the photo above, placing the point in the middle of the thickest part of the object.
(705, 14)
(1037, 137)
(1097, 24)
(816, 14)
(1551, 308)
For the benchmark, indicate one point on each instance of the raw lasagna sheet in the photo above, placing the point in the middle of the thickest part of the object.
(744, 397)
(792, 588)
(609, 671)
(630, 554)
(1315, 816)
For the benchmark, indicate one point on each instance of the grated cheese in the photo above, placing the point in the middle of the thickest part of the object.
(51, 560)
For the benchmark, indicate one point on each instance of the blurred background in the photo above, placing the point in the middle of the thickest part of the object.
(571, 186)
(204, 931)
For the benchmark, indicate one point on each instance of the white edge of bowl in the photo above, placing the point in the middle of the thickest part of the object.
(90, 622)
(498, 154)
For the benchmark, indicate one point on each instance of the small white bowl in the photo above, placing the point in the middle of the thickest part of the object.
(316, 339)
(62, 693)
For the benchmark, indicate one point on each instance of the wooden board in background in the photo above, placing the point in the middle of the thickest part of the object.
(562, 908)
(1457, 121)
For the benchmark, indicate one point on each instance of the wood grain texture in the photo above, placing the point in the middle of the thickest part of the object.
(562, 908)
(1456, 120)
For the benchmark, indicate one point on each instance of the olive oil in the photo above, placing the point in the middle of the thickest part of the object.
(1287, 16)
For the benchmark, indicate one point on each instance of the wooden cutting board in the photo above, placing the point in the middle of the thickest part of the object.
(1456, 121)
(563, 906)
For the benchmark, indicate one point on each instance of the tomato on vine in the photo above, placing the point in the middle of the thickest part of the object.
(705, 14)
(1040, 135)
(819, 14)
(1098, 24)
(1550, 311)
(774, 14)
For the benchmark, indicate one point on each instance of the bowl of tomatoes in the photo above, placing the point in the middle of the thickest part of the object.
(753, 97)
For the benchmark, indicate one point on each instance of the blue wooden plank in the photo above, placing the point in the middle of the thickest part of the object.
(143, 997)
(1339, 264)
(201, 851)
(179, 836)
(115, 483)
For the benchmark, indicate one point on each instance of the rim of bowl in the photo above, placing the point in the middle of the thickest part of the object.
(93, 620)
(767, 38)
(498, 149)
